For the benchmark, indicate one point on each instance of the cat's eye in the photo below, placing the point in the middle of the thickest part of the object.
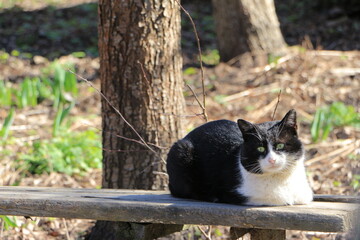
(261, 149)
(280, 146)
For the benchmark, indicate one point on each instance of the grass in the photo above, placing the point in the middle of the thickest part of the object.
(4, 131)
(333, 116)
(56, 85)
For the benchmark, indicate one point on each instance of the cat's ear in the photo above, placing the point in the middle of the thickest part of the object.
(290, 119)
(246, 127)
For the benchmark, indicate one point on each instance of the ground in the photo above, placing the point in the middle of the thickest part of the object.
(322, 67)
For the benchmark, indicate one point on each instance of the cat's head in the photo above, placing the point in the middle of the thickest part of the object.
(271, 147)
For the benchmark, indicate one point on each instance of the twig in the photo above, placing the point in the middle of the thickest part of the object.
(254, 92)
(264, 110)
(272, 65)
(116, 110)
(66, 229)
(197, 99)
(143, 71)
(330, 144)
(278, 101)
(119, 150)
(206, 234)
(331, 154)
(125, 138)
(203, 105)
(342, 155)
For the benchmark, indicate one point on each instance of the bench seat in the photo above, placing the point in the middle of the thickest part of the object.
(325, 214)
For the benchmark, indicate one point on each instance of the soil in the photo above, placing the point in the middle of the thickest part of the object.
(322, 66)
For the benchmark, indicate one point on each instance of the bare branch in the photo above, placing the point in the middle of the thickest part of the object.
(203, 105)
(115, 109)
(278, 101)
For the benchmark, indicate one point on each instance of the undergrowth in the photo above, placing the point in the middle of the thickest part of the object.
(333, 116)
(69, 152)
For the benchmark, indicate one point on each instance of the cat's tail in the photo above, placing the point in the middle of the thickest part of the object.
(179, 161)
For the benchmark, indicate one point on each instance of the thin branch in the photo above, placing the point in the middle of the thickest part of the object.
(115, 109)
(119, 150)
(66, 229)
(203, 105)
(278, 101)
(196, 97)
(206, 234)
(143, 71)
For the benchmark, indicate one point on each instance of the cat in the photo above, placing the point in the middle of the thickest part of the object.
(241, 163)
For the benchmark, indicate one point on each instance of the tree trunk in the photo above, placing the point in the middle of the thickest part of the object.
(140, 57)
(248, 29)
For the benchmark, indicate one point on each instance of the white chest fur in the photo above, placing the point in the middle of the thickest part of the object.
(286, 188)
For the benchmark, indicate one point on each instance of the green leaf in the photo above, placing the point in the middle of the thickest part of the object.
(190, 71)
(61, 114)
(57, 120)
(8, 222)
(7, 124)
(336, 183)
(315, 126)
(329, 117)
(68, 152)
(211, 57)
(5, 94)
(79, 54)
(70, 84)
(66, 111)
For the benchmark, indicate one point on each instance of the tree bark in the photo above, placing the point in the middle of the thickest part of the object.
(249, 29)
(140, 58)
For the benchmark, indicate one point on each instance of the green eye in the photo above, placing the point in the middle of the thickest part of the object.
(280, 146)
(261, 149)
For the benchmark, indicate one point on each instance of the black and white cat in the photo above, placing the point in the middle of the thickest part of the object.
(241, 163)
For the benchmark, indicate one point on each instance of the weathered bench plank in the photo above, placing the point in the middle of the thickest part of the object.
(160, 207)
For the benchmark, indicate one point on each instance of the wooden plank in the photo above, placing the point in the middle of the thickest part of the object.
(160, 207)
(336, 198)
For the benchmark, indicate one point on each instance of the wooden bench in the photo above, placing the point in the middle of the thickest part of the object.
(156, 213)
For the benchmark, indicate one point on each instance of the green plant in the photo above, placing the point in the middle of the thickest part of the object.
(5, 94)
(9, 222)
(273, 59)
(64, 84)
(68, 152)
(56, 84)
(211, 57)
(28, 93)
(329, 117)
(4, 132)
(61, 114)
(190, 71)
(355, 183)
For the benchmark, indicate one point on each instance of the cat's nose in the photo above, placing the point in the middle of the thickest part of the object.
(272, 161)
